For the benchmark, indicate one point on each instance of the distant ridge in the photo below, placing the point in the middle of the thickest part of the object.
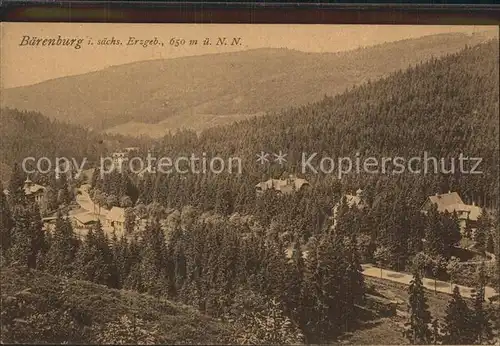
(208, 90)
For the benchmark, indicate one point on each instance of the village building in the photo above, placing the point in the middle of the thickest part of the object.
(49, 223)
(282, 186)
(115, 219)
(452, 203)
(85, 221)
(353, 201)
(119, 159)
(34, 191)
(130, 150)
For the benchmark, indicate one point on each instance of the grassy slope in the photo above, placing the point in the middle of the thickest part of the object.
(95, 305)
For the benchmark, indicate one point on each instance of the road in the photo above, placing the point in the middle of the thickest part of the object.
(403, 278)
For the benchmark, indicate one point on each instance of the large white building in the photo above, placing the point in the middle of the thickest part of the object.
(115, 218)
(452, 203)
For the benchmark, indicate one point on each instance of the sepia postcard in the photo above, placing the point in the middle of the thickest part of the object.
(249, 184)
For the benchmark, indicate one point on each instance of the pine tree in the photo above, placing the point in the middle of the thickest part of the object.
(418, 331)
(85, 259)
(133, 280)
(121, 260)
(457, 322)
(481, 326)
(63, 249)
(153, 276)
(313, 310)
(104, 257)
(295, 283)
(482, 231)
(436, 336)
(27, 236)
(36, 235)
(16, 186)
(20, 249)
(94, 259)
(6, 223)
(332, 295)
(490, 243)
(64, 195)
(353, 282)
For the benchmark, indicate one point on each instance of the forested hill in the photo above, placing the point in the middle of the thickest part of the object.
(25, 134)
(152, 97)
(445, 106)
(41, 308)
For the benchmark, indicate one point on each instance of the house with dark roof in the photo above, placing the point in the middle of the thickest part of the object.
(452, 203)
(85, 221)
(282, 186)
(34, 191)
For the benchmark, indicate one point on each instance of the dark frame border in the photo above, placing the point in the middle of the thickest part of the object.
(245, 12)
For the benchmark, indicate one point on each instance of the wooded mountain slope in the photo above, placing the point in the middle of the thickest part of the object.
(445, 106)
(25, 134)
(201, 91)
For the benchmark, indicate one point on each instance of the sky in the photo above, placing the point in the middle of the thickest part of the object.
(25, 65)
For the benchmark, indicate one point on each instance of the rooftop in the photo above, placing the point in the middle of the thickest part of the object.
(85, 218)
(116, 214)
(447, 200)
(288, 185)
(451, 202)
(31, 188)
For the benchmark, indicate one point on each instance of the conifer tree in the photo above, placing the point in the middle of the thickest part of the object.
(434, 243)
(20, 249)
(16, 186)
(490, 243)
(36, 235)
(104, 258)
(133, 278)
(482, 231)
(417, 328)
(331, 297)
(353, 282)
(436, 336)
(93, 260)
(121, 260)
(63, 249)
(481, 326)
(313, 308)
(295, 283)
(6, 223)
(153, 276)
(27, 236)
(457, 322)
(275, 264)
(85, 259)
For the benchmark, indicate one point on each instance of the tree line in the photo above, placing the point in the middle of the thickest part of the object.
(209, 261)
